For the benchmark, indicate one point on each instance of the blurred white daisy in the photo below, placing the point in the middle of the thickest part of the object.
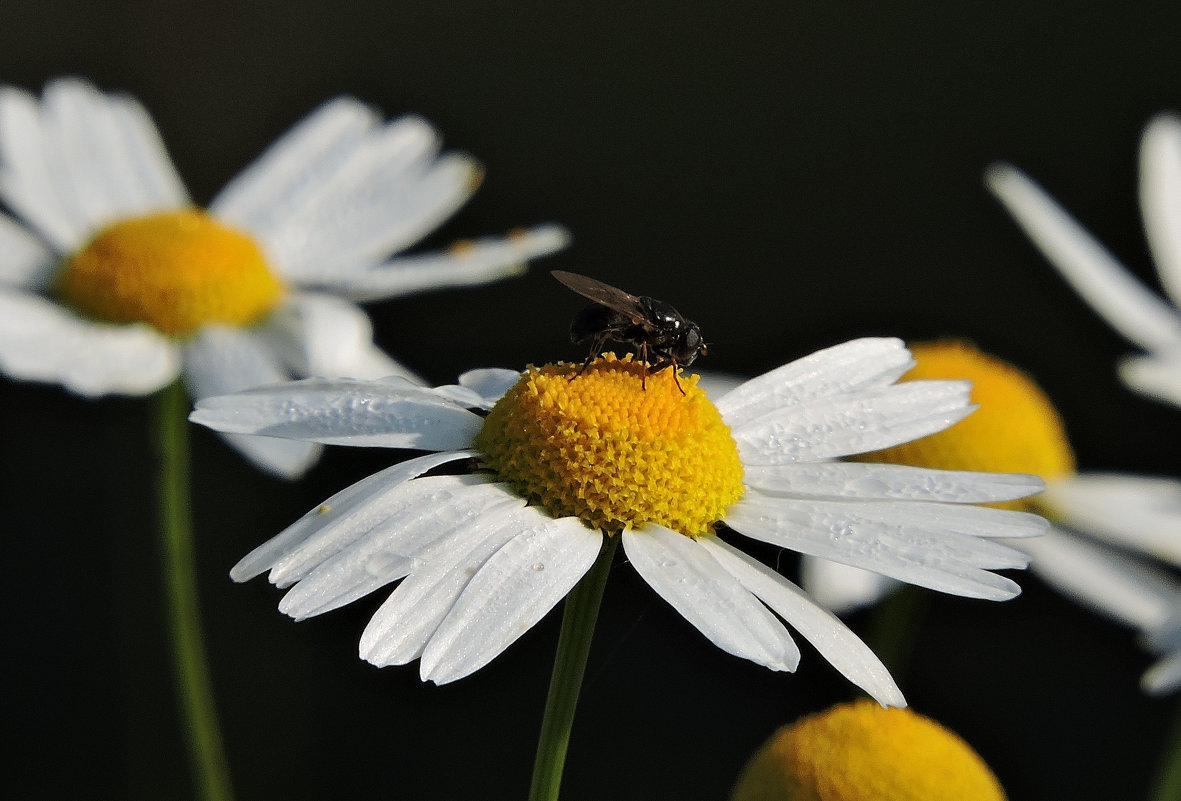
(1113, 540)
(560, 460)
(1133, 310)
(116, 282)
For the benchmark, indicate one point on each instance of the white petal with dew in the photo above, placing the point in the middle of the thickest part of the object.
(332, 525)
(867, 481)
(859, 422)
(388, 413)
(394, 529)
(295, 165)
(465, 264)
(513, 590)
(1157, 375)
(940, 546)
(839, 370)
(835, 642)
(220, 359)
(1132, 592)
(25, 262)
(405, 623)
(1160, 198)
(1103, 282)
(40, 341)
(323, 335)
(840, 588)
(687, 575)
(1140, 513)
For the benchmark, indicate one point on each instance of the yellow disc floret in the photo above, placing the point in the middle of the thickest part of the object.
(176, 271)
(1015, 430)
(862, 752)
(600, 447)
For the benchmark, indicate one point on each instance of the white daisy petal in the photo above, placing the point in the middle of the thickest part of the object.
(221, 359)
(40, 341)
(323, 335)
(1163, 677)
(688, 576)
(1101, 578)
(332, 525)
(835, 642)
(466, 264)
(865, 481)
(849, 424)
(839, 370)
(385, 539)
(939, 546)
(391, 414)
(841, 588)
(295, 166)
(1157, 375)
(1160, 198)
(401, 628)
(1136, 512)
(514, 589)
(26, 262)
(1094, 273)
(158, 184)
(490, 383)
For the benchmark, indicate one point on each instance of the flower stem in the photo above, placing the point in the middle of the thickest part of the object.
(578, 624)
(1168, 778)
(894, 627)
(206, 753)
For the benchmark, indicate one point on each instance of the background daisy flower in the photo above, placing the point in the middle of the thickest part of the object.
(116, 283)
(1132, 309)
(556, 462)
(1112, 538)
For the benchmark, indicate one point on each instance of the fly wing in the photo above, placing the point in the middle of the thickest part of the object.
(604, 294)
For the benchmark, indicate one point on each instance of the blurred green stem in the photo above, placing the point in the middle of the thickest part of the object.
(578, 625)
(206, 753)
(1168, 778)
(894, 627)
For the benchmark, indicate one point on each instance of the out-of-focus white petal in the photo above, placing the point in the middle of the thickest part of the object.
(1163, 677)
(1103, 282)
(25, 262)
(854, 423)
(401, 628)
(40, 341)
(838, 370)
(866, 481)
(1160, 198)
(840, 588)
(332, 525)
(686, 575)
(940, 546)
(322, 335)
(1139, 513)
(835, 642)
(514, 589)
(220, 359)
(402, 523)
(716, 384)
(465, 264)
(1157, 375)
(390, 413)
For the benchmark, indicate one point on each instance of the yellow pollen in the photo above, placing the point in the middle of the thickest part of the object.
(1015, 430)
(599, 447)
(862, 752)
(177, 271)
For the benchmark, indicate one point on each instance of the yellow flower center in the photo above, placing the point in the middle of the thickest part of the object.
(1015, 430)
(177, 271)
(862, 752)
(599, 447)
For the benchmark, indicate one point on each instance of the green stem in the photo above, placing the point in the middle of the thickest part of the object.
(191, 666)
(1167, 786)
(578, 624)
(894, 627)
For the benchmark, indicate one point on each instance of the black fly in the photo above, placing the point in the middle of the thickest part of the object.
(651, 325)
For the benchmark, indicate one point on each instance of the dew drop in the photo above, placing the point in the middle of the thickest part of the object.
(538, 567)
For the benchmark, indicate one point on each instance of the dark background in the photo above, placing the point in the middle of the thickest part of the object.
(789, 175)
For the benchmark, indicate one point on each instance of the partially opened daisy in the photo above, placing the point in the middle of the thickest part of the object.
(563, 463)
(117, 283)
(1113, 540)
(1133, 310)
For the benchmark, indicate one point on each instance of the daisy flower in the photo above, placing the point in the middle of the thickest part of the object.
(116, 283)
(1113, 537)
(562, 462)
(1133, 310)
